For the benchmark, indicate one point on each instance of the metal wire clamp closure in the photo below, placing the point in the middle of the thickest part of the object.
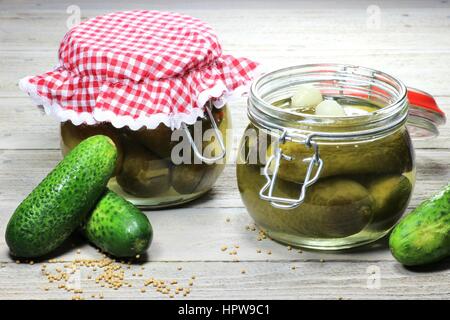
(218, 135)
(313, 162)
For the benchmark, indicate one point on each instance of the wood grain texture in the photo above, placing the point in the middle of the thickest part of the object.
(262, 280)
(412, 43)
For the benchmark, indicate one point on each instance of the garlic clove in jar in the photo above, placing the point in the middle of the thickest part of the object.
(306, 97)
(330, 108)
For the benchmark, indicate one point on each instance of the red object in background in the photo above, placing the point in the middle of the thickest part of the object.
(421, 99)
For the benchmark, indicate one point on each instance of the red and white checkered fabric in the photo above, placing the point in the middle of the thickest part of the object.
(138, 68)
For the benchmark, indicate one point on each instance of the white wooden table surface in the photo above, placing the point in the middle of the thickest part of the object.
(409, 39)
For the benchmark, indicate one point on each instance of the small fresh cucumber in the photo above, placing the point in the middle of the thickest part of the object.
(117, 227)
(59, 204)
(423, 236)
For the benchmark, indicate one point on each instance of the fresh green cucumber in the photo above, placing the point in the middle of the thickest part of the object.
(117, 227)
(58, 205)
(423, 236)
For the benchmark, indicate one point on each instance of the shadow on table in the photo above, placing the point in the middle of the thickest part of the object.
(76, 241)
(434, 267)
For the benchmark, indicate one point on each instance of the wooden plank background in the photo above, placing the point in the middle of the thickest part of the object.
(411, 42)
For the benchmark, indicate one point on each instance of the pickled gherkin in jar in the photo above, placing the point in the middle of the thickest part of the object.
(390, 194)
(386, 155)
(143, 173)
(193, 176)
(333, 208)
(351, 199)
(146, 173)
(156, 140)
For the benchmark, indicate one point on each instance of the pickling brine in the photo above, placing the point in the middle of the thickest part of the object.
(327, 164)
(363, 190)
(146, 172)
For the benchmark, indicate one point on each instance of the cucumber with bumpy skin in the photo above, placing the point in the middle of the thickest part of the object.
(117, 227)
(58, 205)
(423, 236)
